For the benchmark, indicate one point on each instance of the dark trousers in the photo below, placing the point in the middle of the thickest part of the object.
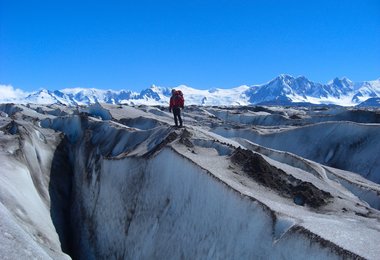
(177, 116)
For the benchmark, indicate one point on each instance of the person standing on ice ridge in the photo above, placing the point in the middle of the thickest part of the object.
(176, 103)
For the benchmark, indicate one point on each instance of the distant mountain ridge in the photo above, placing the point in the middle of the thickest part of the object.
(282, 90)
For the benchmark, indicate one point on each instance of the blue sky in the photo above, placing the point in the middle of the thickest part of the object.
(203, 44)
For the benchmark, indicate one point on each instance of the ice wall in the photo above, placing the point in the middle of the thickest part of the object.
(26, 227)
(168, 207)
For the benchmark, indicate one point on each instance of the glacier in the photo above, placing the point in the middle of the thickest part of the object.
(119, 182)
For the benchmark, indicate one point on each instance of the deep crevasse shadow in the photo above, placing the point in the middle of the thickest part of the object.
(60, 190)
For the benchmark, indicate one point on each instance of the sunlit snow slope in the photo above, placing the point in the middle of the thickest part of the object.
(119, 182)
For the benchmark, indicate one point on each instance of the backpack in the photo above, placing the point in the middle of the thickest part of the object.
(179, 101)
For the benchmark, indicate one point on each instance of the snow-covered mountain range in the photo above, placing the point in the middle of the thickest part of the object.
(283, 90)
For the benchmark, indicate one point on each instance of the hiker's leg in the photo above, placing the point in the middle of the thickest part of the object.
(180, 118)
(175, 118)
(175, 113)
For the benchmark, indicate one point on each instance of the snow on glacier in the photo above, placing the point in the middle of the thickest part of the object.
(143, 189)
(329, 143)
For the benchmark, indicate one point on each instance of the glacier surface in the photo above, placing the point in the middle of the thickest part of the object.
(119, 182)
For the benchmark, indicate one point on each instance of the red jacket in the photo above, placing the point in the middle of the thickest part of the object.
(177, 100)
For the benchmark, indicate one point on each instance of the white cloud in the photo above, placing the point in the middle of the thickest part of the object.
(8, 92)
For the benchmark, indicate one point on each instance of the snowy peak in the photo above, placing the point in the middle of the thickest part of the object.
(288, 89)
(343, 82)
(340, 87)
(42, 97)
(285, 79)
(155, 93)
(277, 89)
